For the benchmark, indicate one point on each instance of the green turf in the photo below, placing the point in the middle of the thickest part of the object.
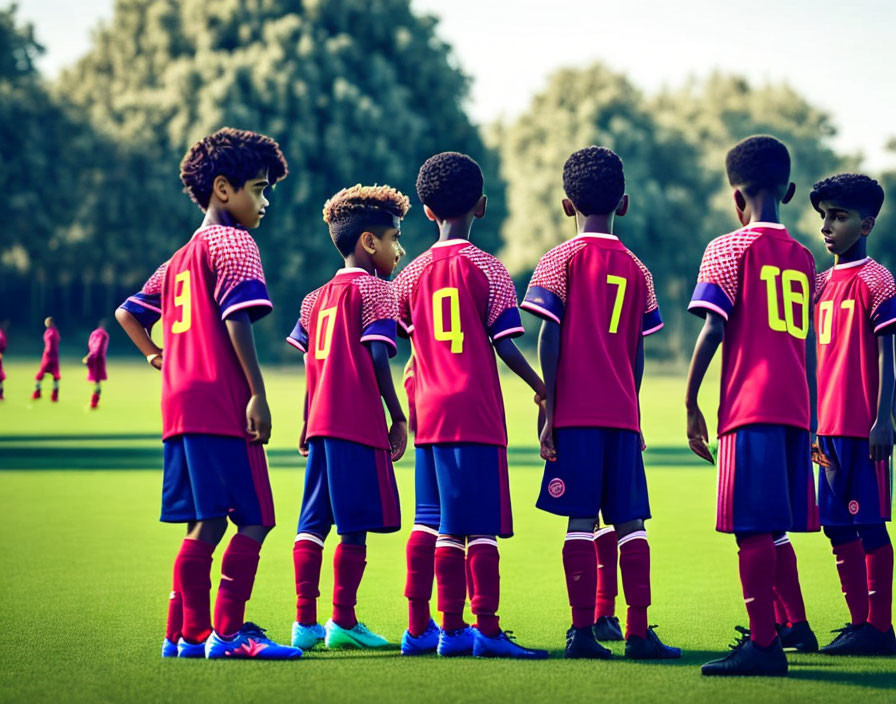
(86, 572)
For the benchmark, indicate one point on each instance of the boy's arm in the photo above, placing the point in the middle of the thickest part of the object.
(708, 342)
(258, 415)
(303, 437)
(140, 337)
(881, 437)
(398, 432)
(549, 358)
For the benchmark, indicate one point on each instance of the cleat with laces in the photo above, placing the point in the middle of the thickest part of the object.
(169, 649)
(862, 640)
(581, 644)
(306, 637)
(607, 628)
(650, 648)
(748, 659)
(799, 636)
(186, 649)
(457, 643)
(843, 634)
(425, 643)
(358, 637)
(503, 645)
(249, 643)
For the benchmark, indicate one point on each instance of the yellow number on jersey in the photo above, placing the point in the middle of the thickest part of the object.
(323, 336)
(795, 286)
(453, 334)
(620, 283)
(182, 299)
(826, 319)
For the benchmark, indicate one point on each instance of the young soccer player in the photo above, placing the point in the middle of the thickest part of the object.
(97, 344)
(215, 415)
(754, 290)
(3, 325)
(458, 302)
(347, 331)
(49, 361)
(597, 303)
(855, 319)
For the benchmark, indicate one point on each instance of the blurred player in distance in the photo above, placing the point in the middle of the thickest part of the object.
(49, 361)
(97, 344)
(4, 326)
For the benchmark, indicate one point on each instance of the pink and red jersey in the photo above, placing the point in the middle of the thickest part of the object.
(97, 344)
(760, 280)
(854, 303)
(51, 345)
(217, 273)
(2, 350)
(603, 298)
(456, 300)
(336, 322)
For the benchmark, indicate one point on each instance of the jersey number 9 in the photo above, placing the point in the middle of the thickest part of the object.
(182, 300)
(453, 333)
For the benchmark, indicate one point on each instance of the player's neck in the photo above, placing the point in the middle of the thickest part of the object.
(764, 207)
(216, 215)
(595, 223)
(855, 253)
(455, 229)
(354, 261)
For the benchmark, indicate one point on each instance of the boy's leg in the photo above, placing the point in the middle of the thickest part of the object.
(756, 557)
(421, 546)
(607, 551)
(879, 563)
(95, 398)
(307, 558)
(193, 576)
(634, 564)
(580, 568)
(482, 553)
(787, 580)
(349, 562)
(38, 379)
(450, 571)
(238, 568)
(850, 558)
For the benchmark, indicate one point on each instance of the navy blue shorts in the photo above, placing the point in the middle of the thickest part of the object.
(765, 480)
(351, 485)
(597, 470)
(427, 510)
(853, 490)
(213, 476)
(474, 489)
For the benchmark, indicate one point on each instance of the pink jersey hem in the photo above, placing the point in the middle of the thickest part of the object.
(295, 343)
(709, 306)
(884, 324)
(380, 338)
(508, 331)
(246, 304)
(144, 304)
(652, 330)
(526, 305)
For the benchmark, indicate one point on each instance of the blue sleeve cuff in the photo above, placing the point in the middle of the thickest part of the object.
(543, 303)
(508, 324)
(250, 296)
(382, 331)
(884, 320)
(708, 296)
(298, 338)
(147, 309)
(651, 322)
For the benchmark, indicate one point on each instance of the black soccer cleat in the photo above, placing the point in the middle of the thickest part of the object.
(749, 660)
(799, 636)
(862, 640)
(580, 644)
(649, 648)
(835, 647)
(607, 628)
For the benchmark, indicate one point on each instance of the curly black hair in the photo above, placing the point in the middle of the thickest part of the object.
(238, 155)
(758, 163)
(852, 191)
(594, 180)
(354, 210)
(450, 184)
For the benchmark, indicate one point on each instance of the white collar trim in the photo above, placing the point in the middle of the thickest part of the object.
(597, 235)
(448, 243)
(850, 265)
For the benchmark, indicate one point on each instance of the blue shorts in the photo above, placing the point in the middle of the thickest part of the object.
(213, 476)
(474, 489)
(427, 510)
(853, 490)
(351, 485)
(597, 470)
(765, 481)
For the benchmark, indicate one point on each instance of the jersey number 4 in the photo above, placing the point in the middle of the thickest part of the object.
(795, 285)
(182, 300)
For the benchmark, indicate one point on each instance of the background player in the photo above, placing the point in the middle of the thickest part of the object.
(215, 416)
(458, 302)
(4, 324)
(347, 329)
(49, 361)
(597, 303)
(97, 344)
(855, 316)
(754, 289)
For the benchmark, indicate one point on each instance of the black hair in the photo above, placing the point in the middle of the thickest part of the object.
(359, 208)
(594, 180)
(450, 184)
(238, 155)
(758, 163)
(852, 191)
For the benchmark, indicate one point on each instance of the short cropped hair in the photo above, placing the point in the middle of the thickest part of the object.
(594, 180)
(450, 184)
(757, 163)
(354, 210)
(238, 155)
(853, 191)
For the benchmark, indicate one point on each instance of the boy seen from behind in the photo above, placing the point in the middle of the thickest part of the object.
(49, 361)
(97, 344)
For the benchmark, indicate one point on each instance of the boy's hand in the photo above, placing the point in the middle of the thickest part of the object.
(303, 441)
(818, 457)
(541, 394)
(643, 443)
(398, 438)
(880, 440)
(84, 359)
(157, 362)
(698, 435)
(258, 417)
(546, 439)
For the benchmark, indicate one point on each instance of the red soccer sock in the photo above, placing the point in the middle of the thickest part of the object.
(484, 567)
(853, 579)
(420, 554)
(307, 555)
(607, 552)
(348, 568)
(192, 568)
(451, 582)
(780, 611)
(580, 568)
(787, 581)
(634, 564)
(238, 568)
(757, 576)
(879, 564)
(175, 611)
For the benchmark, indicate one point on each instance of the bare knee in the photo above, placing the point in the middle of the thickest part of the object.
(210, 531)
(257, 533)
(624, 529)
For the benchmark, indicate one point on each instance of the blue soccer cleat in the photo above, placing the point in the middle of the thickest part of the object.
(503, 646)
(190, 650)
(307, 637)
(169, 649)
(425, 643)
(249, 643)
(456, 643)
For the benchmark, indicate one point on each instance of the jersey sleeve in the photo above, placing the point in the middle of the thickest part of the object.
(403, 286)
(298, 338)
(503, 313)
(717, 281)
(146, 305)
(546, 295)
(240, 283)
(379, 312)
(882, 311)
(651, 321)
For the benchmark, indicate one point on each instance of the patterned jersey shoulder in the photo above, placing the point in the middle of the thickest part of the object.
(307, 305)
(821, 280)
(153, 285)
(501, 291)
(880, 283)
(234, 254)
(404, 286)
(378, 300)
(651, 304)
(722, 258)
(551, 272)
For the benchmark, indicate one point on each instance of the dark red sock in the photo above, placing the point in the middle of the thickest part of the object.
(451, 583)
(580, 567)
(879, 564)
(787, 581)
(193, 567)
(469, 574)
(348, 568)
(757, 577)
(238, 568)
(853, 579)
(175, 611)
(484, 567)
(307, 555)
(634, 564)
(607, 552)
(420, 554)
(780, 611)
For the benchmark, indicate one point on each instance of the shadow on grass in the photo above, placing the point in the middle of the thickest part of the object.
(872, 679)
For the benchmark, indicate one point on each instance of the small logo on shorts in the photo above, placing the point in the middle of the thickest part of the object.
(853, 507)
(556, 488)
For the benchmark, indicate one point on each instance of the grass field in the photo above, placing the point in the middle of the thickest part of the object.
(86, 571)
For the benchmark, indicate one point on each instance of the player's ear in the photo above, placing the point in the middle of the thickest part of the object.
(479, 208)
(368, 242)
(622, 208)
(569, 208)
(791, 189)
(740, 204)
(867, 225)
(221, 188)
(429, 214)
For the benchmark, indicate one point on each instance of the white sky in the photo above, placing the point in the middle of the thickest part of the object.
(835, 53)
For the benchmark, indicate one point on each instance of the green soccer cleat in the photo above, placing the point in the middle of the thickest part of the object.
(307, 637)
(360, 636)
